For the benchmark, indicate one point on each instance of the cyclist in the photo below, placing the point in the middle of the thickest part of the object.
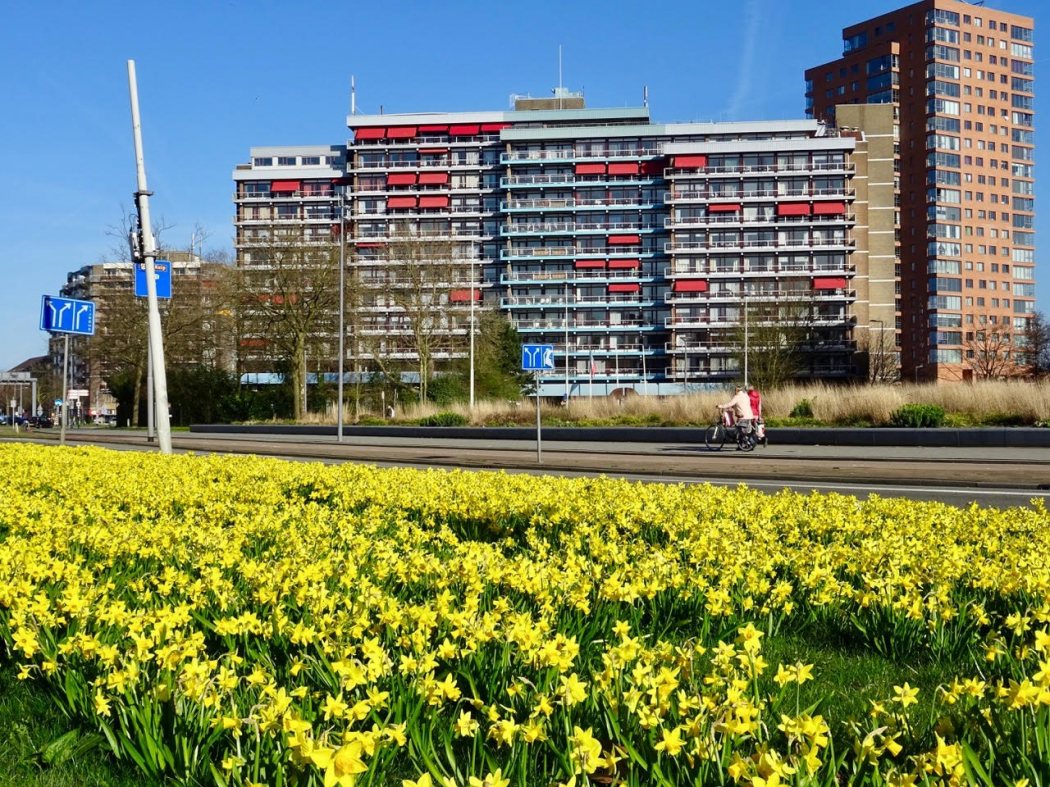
(756, 411)
(740, 405)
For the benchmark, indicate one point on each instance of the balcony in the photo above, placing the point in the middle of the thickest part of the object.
(553, 227)
(572, 204)
(583, 301)
(572, 275)
(731, 297)
(769, 270)
(816, 244)
(330, 196)
(569, 156)
(563, 252)
(738, 219)
(569, 179)
(706, 195)
(762, 169)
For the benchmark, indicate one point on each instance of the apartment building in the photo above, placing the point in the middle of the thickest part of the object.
(959, 79)
(632, 247)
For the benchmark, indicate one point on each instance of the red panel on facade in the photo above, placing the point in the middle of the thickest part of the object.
(464, 130)
(433, 151)
(463, 296)
(689, 162)
(284, 186)
(728, 207)
(829, 208)
(689, 285)
(621, 240)
(625, 288)
(494, 126)
(439, 129)
(624, 264)
(590, 263)
(401, 202)
(624, 168)
(653, 167)
(793, 209)
(369, 245)
(369, 133)
(837, 283)
(590, 169)
(401, 132)
(401, 178)
(434, 202)
(432, 178)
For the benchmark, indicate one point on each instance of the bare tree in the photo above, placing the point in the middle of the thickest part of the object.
(778, 329)
(288, 297)
(420, 271)
(988, 349)
(881, 356)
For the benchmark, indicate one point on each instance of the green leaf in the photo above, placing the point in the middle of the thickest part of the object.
(973, 767)
(60, 749)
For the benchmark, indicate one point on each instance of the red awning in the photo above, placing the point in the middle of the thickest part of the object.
(401, 178)
(347, 181)
(590, 169)
(620, 240)
(689, 285)
(463, 296)
(369, 133)
(793, 209)
(401, 132)
(655, 167)
(369, 245)
(726, 207)
(829, 283)
(464, 130)
(625, 264)
(625, 287)
(829, 208)
(494, 126)
(432, 178)
(434, 202)
(590, 264)
(401, 202)
(624, 168)
(433, 151)
(283, 186)
(689, 162)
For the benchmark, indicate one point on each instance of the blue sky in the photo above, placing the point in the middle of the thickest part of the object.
(216, 78)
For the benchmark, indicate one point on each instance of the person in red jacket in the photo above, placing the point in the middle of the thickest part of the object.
(756, 409)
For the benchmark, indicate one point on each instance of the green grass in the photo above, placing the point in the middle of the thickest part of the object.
(29, 722)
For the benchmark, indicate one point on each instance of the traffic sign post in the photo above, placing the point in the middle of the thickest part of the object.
(66, 316)
(161, 278)
(537, 358)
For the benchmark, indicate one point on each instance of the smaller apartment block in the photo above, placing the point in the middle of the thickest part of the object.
(637, 249)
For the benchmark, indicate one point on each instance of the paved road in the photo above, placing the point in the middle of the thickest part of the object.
(991, 476)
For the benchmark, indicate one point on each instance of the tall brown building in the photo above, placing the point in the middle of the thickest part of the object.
(959, 78)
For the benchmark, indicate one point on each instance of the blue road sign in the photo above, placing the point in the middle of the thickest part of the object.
(66, 315)
(537, 357)
(161, 275)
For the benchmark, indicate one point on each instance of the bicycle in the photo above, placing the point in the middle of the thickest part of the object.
(717, 433)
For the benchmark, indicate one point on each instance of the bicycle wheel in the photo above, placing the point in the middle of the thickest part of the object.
(715, 437)
(746, 443)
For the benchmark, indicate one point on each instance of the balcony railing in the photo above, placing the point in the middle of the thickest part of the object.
(518, 227)
(518, 156)
(703, 221)
(783, 267)
(582, 300)
(758, 297)
(573, 275)
(682, 195)
(760, 169)
(773, 245)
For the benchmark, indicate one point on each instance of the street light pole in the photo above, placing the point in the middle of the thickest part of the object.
(877, 368)
(472, 276)
(920, 366)
(342, 305)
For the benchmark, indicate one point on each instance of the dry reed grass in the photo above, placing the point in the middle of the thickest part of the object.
(1027, 401)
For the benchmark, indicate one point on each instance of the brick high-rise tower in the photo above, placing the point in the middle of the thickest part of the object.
(960, 79)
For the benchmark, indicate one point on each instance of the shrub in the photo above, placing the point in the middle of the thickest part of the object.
(917, 416)
(444, 419)
(803, 409)
(1003, 419)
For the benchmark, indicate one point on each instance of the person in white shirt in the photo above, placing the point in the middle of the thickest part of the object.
(740, 405)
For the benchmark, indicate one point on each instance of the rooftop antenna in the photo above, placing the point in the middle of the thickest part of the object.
(560, 92)
(645, 96)
(353, 96)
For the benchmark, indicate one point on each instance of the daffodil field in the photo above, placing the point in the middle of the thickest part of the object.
(242, 621)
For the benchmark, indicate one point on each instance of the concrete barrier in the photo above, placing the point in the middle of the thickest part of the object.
(986, 437)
